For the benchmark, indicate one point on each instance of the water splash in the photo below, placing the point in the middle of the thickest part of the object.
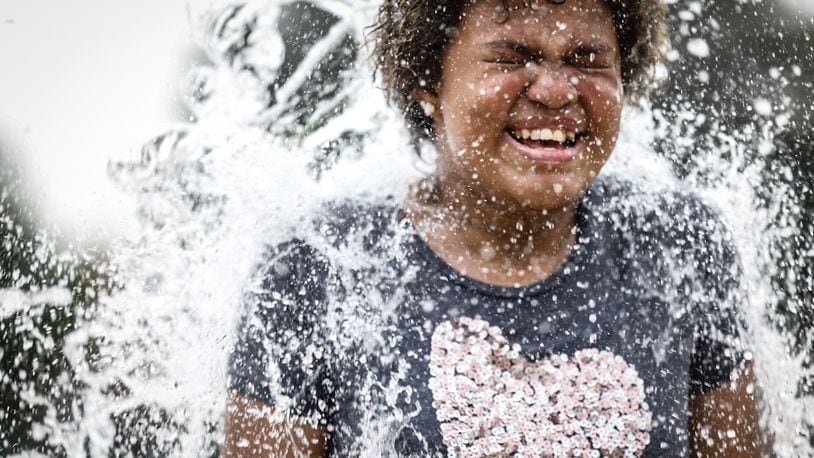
(287, 118)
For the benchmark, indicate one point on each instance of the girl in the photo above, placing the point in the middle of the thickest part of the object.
(516, 304)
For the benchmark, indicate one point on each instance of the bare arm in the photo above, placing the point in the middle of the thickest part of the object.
(724, 421)
(253, 430)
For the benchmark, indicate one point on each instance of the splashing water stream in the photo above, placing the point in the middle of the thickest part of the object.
(255, 165)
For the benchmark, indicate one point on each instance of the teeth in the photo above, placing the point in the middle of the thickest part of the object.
(545, 135)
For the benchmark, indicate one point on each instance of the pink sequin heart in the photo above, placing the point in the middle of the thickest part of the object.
(491, 401)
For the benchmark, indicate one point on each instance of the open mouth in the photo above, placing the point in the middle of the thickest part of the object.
(546, 138)
(547, 146)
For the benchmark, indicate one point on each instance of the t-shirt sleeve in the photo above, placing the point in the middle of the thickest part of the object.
(682, 252)
(718, 351)
(281, 348)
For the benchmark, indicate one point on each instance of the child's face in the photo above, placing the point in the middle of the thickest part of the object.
(529, 101)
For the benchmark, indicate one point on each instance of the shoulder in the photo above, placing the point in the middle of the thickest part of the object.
(288, 265)
(668, 236)
(339, 236)
(670, 216)
(368, 222)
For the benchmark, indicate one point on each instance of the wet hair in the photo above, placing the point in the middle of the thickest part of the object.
(409, 38)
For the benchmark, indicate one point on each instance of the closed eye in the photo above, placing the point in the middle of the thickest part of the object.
(507, 61)
(507, 53)
(591, 57)
(588, 56)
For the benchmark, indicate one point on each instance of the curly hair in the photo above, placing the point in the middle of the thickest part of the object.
(409, 38)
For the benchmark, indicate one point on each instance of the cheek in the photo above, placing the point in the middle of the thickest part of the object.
(602, 99)
(481, 101)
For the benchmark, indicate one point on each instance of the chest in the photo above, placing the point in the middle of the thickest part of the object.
(572, 367)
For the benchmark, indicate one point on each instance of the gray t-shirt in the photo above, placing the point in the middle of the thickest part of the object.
(369, 332)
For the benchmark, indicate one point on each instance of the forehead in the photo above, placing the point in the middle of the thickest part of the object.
(523, 19)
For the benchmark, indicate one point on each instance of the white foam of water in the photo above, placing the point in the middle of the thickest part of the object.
(13, 300)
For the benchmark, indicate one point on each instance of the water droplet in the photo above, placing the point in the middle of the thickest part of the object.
(698, 47)
(685, 15)
(487, 252)
(762, 106)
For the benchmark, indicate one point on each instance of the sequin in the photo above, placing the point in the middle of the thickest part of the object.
(491, 401)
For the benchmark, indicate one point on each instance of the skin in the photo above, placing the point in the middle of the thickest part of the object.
(252, 430)
(499, 216)
(724, 421)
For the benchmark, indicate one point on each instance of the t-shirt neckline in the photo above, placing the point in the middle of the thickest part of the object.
(548, 284)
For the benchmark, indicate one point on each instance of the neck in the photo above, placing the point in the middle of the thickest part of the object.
(493, 240)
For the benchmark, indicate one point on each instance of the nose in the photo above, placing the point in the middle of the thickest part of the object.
(549, 85)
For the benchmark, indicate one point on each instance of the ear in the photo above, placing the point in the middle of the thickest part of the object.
(429, 103)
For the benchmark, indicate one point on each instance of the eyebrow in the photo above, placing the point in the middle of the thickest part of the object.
(509, 44)
(593, 47)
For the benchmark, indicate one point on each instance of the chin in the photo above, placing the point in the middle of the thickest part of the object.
(550, 203)
(551, 194)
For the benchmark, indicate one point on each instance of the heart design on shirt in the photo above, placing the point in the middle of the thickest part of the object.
(491, 401)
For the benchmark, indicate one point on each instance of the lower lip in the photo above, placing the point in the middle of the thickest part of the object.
(550, 155)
